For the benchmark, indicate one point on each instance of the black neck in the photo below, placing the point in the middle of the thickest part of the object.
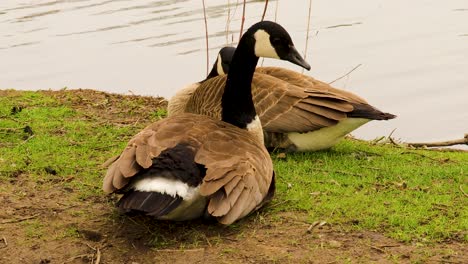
(237, 105)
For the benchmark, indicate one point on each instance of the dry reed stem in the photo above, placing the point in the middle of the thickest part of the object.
(307, 34)
(206, 38)
(276, 10)
(242, 21)
(264, 10)
(228, 21)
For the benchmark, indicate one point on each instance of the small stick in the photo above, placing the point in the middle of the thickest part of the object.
(19, 219)
(462, 141)
(206, 38)
(378, 249)
(94, 249)
(353, 69)
(243, 20)
(98, 256)
(264, 10)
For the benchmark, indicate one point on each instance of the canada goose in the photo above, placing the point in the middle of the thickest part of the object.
(297, 112)
(188, 166)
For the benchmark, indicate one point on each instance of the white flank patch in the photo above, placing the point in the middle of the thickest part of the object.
(219, 66)
(254, 124)
(326, 137)
(165, 186)
(192, 207)
(263, 47)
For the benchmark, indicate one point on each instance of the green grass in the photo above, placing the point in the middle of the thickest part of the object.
(410, 195)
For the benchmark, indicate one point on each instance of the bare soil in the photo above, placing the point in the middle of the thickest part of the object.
(40, 224)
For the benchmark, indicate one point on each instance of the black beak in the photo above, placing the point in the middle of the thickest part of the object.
(296, 58)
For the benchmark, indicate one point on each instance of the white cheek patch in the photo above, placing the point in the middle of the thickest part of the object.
(263, 47)
(219, 66)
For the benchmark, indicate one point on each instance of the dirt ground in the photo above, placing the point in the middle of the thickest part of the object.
(102, 236)
(38, 224)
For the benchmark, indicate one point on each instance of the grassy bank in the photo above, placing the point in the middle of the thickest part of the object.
(54, 143)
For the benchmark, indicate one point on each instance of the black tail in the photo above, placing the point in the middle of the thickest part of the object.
(369, 112)
(148, 203)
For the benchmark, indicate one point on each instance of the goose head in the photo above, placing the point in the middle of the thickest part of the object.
(273, 41)
(221, 65)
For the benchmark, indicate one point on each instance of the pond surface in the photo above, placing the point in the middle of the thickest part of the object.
(413, 55)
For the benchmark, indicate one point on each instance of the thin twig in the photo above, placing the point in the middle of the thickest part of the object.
(242, 20)
(98, 256)
(462, 141)
(88, 245)
(17, 220)
(391, 139)
(206, 38)
(307, 34)
(208, 241)
(264, 10)
(378, 249)
(353, 69)
(461, 189)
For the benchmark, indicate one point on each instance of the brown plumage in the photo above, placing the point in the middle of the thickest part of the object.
(188, 166)
(289, 104)
(238, 168)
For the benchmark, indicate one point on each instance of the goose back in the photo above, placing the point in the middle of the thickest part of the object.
(238, 167)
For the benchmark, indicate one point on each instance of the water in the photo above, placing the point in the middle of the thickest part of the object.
(413, 54)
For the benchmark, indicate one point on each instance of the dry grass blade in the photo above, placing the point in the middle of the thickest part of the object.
(348, 73)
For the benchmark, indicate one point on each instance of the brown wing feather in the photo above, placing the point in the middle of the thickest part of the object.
(238, 166)
(286, 101)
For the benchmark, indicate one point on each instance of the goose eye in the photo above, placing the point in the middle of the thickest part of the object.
(276, 41)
